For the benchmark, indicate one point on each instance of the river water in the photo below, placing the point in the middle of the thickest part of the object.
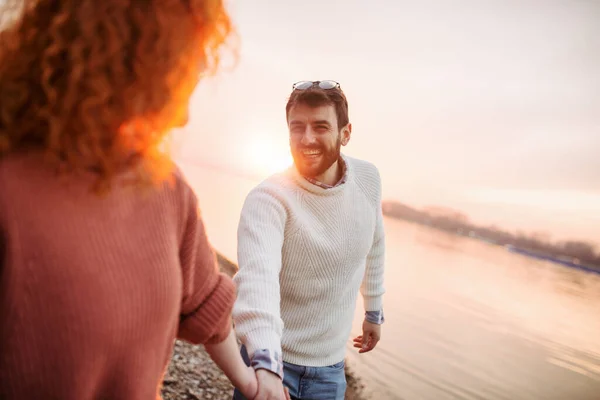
(464, 319)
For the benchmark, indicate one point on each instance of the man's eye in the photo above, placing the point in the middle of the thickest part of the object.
(321, 128)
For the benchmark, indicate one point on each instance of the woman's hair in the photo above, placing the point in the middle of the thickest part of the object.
(97, 84)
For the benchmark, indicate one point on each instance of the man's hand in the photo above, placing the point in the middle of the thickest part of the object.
(369, 339)
(270, 386)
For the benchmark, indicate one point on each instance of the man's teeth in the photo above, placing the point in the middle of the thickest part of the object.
(311, 152)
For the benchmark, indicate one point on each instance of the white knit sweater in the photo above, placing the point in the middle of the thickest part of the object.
(304, 253)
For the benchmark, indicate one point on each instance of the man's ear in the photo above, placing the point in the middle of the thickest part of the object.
(346, 134)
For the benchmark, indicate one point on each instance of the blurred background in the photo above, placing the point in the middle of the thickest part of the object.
(483, 118)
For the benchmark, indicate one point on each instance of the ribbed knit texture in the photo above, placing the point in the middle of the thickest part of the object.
(94, 290)
(304, 252)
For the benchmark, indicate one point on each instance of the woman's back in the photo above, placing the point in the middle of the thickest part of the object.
(104, 260)
(92, 286)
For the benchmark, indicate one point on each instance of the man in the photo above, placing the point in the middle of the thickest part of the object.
(309, 239)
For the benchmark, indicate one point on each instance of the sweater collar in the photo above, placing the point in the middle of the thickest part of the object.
(319, 188)
(343, 179)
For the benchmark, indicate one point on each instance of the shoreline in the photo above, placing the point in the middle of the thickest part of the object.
(574, 253)
(193, 375)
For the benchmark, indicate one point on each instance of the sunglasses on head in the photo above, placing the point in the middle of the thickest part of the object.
(303, 85)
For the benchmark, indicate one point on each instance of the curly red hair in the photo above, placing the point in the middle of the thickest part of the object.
(99, 83)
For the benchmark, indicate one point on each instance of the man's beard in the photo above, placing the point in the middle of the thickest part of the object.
(327, 158)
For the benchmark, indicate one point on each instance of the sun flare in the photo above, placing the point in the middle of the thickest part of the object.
(267, 157)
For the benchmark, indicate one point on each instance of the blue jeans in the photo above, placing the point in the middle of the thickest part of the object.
(309, 383)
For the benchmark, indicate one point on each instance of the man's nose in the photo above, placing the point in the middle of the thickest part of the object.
(308, 138)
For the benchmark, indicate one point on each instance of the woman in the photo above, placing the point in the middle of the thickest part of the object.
(104, 260)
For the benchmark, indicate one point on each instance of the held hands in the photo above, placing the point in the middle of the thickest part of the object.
(370, 337)
(270, 386)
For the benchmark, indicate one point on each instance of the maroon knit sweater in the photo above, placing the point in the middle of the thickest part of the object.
(94, 290)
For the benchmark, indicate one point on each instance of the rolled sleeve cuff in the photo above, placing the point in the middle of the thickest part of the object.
(211, 322)
(269, 360)
(262, 338)
(375, 317)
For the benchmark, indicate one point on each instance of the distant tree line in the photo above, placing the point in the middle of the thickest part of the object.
(451, 221)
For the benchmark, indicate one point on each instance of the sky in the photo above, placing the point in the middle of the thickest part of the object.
(488, 107)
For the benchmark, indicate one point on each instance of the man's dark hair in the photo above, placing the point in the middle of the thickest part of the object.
(316, 97)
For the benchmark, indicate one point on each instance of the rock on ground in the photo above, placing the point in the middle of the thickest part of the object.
(193, 375)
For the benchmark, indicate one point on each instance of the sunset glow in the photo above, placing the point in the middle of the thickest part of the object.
(266, 157)
(462, 113)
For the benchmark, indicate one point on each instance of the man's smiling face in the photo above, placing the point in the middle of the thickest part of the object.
(315, 139)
